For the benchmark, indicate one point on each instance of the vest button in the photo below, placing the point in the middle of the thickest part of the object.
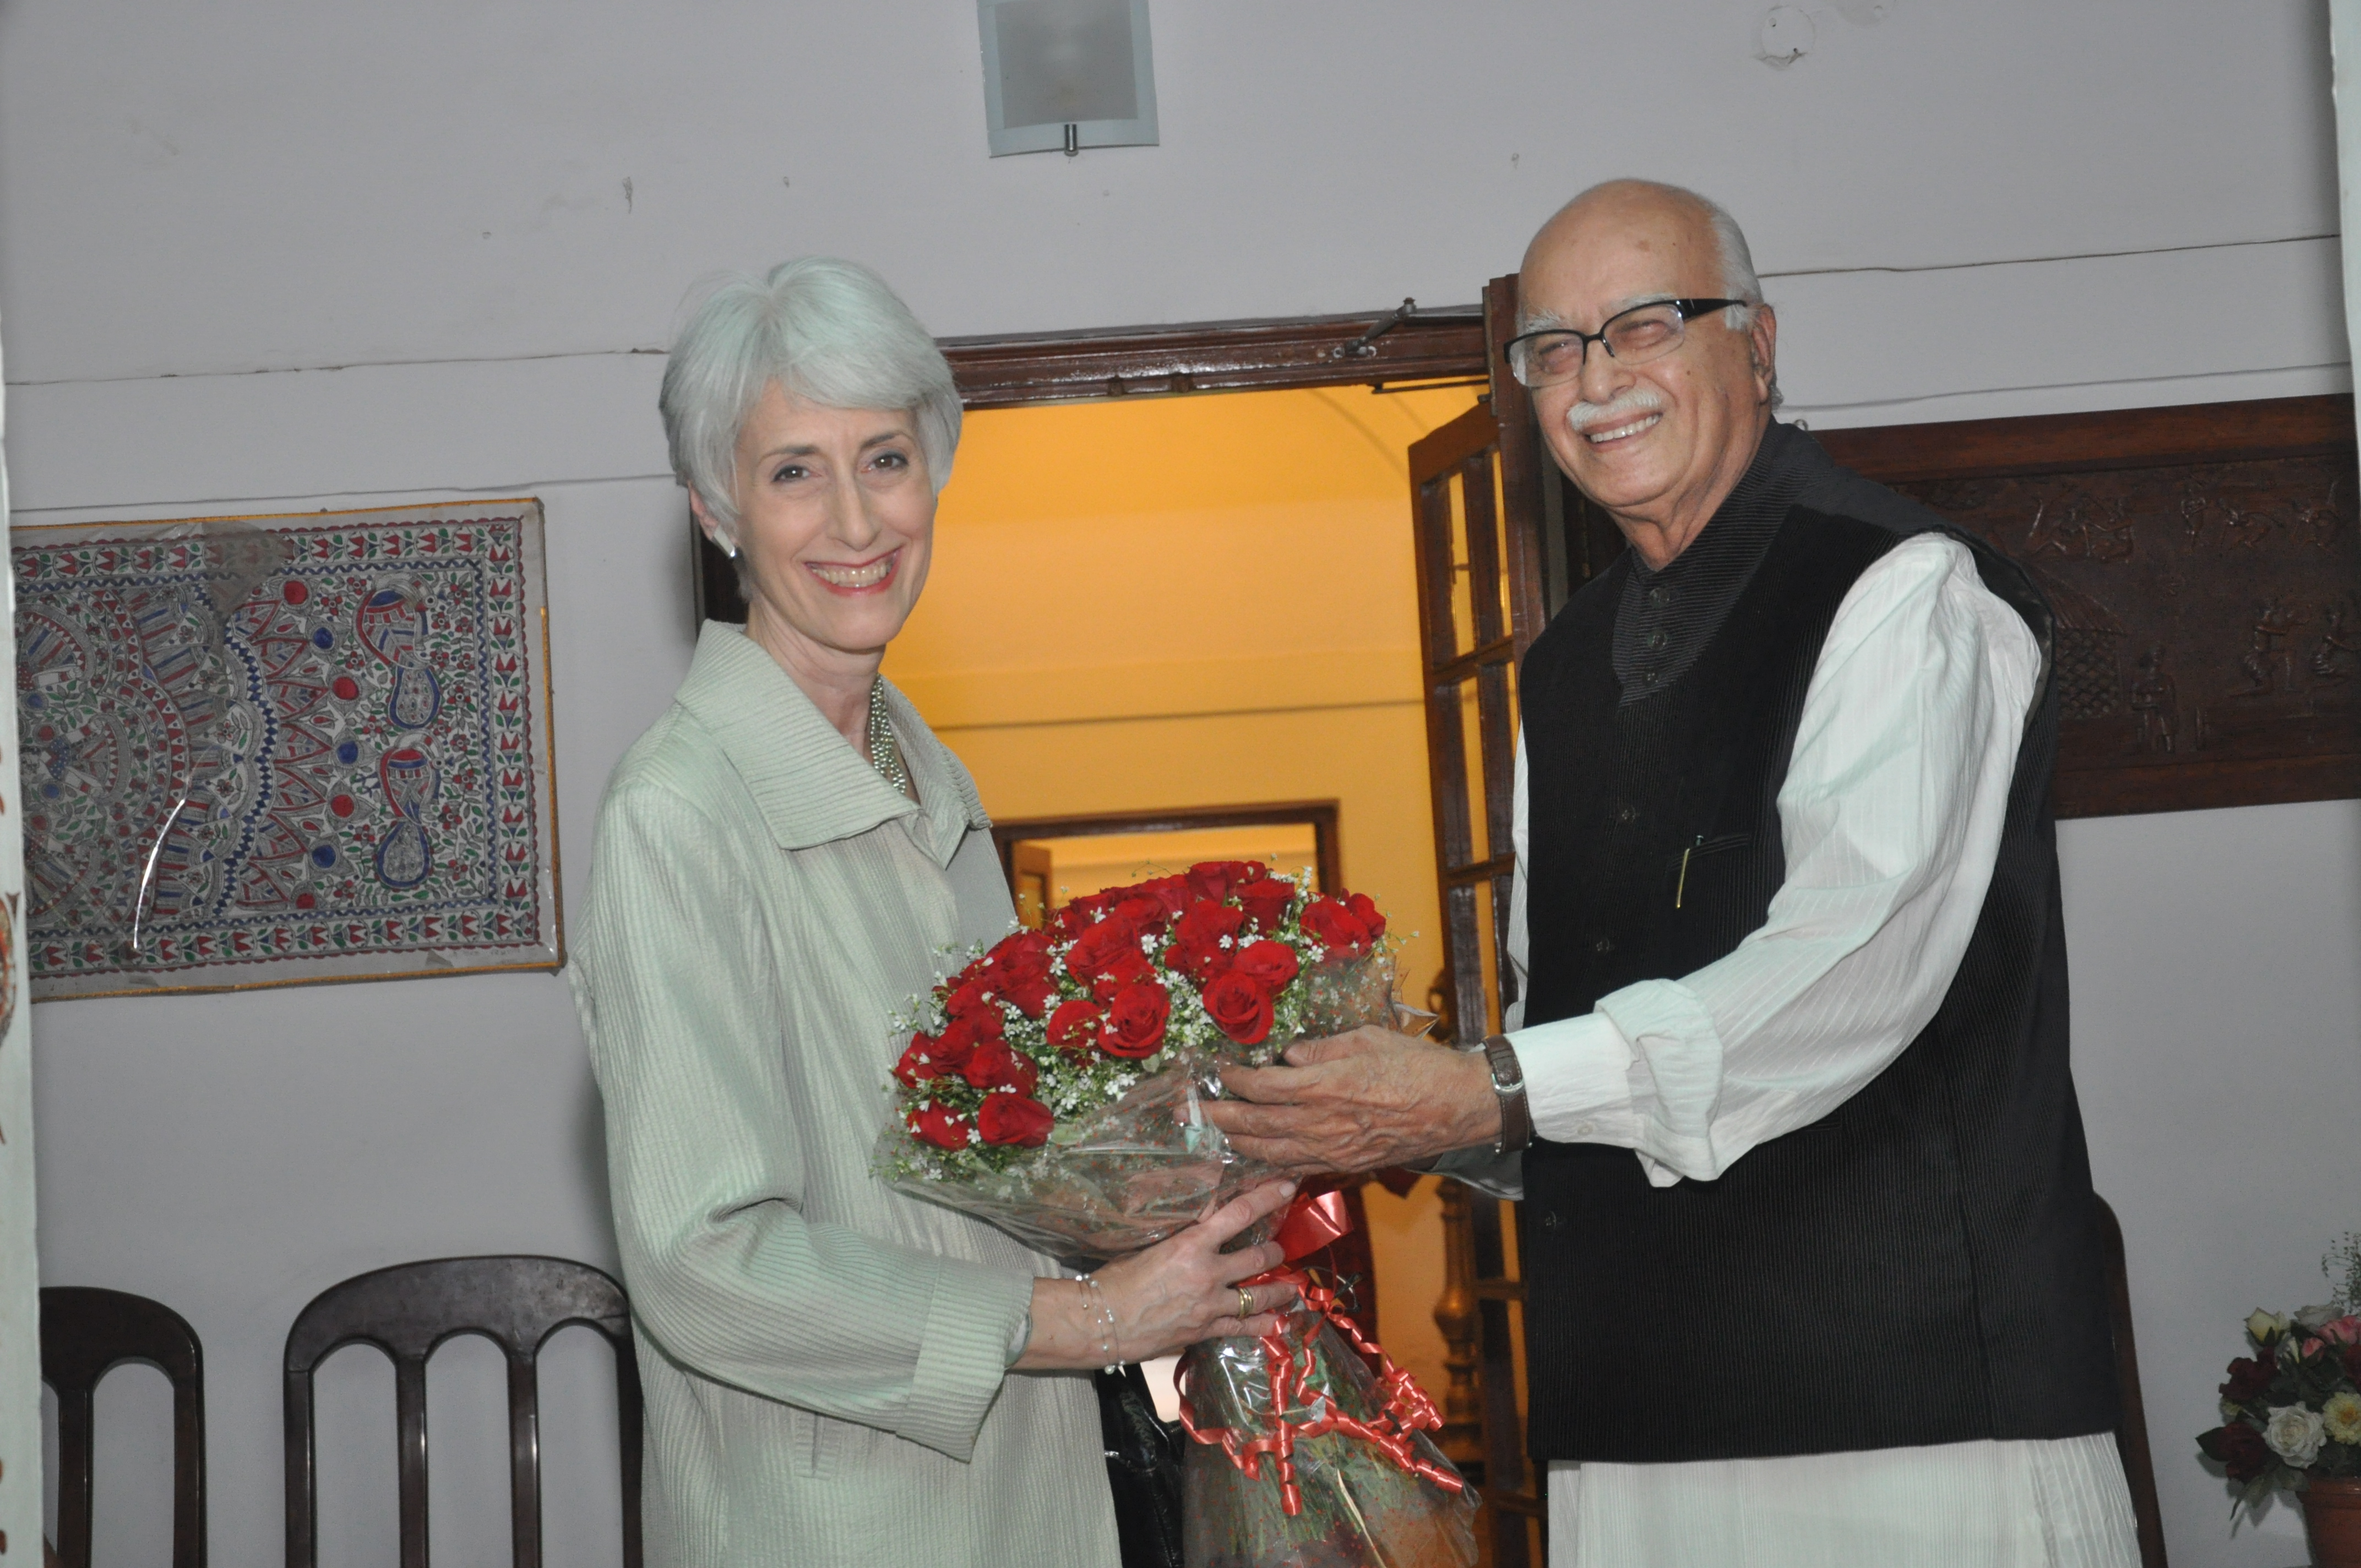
(1627, 814)
(1656, 639)
(1550, 1220)
(1659, 595)
(1603, 946)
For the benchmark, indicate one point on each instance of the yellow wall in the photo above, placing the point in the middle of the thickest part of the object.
(1202, 601)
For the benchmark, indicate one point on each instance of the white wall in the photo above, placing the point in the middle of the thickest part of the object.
(258, 254)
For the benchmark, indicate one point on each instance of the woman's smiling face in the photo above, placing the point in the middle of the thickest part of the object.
(836, 523)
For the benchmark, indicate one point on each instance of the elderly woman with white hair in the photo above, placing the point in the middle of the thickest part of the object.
(835, 1373)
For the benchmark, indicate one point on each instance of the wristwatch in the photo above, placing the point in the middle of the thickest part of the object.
(1508, 1083)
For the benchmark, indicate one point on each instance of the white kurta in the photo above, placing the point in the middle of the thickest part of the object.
(1890, 819)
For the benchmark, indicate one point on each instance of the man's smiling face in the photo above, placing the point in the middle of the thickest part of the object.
(1657, 444)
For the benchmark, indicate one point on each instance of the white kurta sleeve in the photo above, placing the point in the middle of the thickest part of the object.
(1890, 820)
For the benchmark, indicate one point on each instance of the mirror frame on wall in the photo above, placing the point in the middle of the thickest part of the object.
(1319, 815)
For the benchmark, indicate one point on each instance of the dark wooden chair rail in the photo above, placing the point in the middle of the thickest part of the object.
(406, 1312)
(87, 1332)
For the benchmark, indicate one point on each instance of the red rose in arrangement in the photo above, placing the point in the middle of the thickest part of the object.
(994, 1065)
(1099, 947)
(1240, 1007)
(1074, 1026)
(1365, 910)
(1135, 1021)
(1199, 961)
(1217, 880)
(1331, 923)
(1014, 1119)
(974, 1003)
(1127, 968)
(1029, 993)
(939, 1125)
(1204, 924)
(922, 1063)
(2248, 1378)
(1022, 952)
(2240, 1448)
(1172, 892)
(1265, 902)
(1142, 912)
(1272, 963)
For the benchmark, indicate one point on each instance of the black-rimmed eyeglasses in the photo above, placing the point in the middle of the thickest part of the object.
(1646, 332)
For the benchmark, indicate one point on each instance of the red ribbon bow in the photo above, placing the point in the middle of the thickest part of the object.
(1313, 1221)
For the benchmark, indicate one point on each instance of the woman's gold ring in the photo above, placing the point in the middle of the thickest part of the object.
(1245, 1302)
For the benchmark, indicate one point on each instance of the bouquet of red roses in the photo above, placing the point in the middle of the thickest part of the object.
(1054, 1085)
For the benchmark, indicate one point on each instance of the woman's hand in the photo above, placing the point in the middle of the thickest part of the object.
(1174, 1294)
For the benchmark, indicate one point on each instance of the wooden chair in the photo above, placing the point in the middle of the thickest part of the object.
(87, 1333)
(2131, 1428)
(406, 1312)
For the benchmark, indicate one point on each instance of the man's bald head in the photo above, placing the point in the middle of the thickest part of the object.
(1618, 202)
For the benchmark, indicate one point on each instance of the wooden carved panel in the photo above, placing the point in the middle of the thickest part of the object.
(2207, 581)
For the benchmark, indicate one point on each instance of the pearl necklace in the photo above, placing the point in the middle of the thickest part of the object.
(883, 754)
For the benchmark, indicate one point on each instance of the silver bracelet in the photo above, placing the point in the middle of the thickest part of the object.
(1106, 1322)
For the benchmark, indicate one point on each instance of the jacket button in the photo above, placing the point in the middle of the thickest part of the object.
(1550, 1220)
(1627, 814)
(1604, 945)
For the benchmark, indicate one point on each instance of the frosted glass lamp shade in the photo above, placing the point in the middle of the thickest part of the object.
(1067, 74)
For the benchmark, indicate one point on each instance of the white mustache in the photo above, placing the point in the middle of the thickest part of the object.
(1627, 405)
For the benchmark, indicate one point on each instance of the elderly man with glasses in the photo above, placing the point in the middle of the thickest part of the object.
(1808, 1239)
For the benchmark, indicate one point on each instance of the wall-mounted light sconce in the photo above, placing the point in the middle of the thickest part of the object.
(1061, 75)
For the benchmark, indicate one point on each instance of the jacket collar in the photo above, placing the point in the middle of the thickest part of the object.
(810, 786)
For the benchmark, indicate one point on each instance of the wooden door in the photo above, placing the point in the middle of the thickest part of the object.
(1491, 561)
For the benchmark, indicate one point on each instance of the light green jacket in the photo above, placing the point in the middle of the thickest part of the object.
(825, 1361)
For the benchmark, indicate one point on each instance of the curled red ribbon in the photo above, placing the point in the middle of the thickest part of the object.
(1313, 1221)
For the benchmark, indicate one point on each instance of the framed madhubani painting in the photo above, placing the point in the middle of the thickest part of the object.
(276, 751)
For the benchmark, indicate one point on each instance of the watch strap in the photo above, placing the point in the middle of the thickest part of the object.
(1508, 1083)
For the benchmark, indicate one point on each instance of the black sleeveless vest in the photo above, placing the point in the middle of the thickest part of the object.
(1921, 1265)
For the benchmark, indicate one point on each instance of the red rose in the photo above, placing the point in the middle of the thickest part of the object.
(953, 1046)
(1365, 910)
(2239, 1447)
(1204, 924)
(922, 1061)
(1067, 923)
(1074, 1026)
(1135, 1021)
(939, 1125)
(1217, 880)
(2248, 1379)
(2351, 1356)
(1267, 901)
(1199, 961)
(1100, 946)
(1129, 968)
(1172, 892)
(1028, 994)
(1141, 912)
(973, 1003)
(996, 1065)
(1014, 1119)
(1021, 952)
(1272, 963)
(1334, 927)
(1240, 1007)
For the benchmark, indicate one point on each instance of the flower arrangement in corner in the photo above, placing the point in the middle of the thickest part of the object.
(1052, 1085)
(2292, 1411)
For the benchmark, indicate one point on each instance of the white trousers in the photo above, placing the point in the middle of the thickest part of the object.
(2060, 1503)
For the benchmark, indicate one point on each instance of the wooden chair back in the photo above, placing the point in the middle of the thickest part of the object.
(2131, 1428)
(409, 1309)
(87, 1333)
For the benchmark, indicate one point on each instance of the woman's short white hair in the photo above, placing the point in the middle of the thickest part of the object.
(827, 331)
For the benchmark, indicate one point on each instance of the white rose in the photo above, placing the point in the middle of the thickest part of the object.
(2264, 1327)
(2295, 1434)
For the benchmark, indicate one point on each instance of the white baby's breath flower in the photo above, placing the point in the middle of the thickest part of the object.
(2295, 1433)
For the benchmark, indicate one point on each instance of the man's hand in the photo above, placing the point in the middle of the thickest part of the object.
(1358, 1102)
